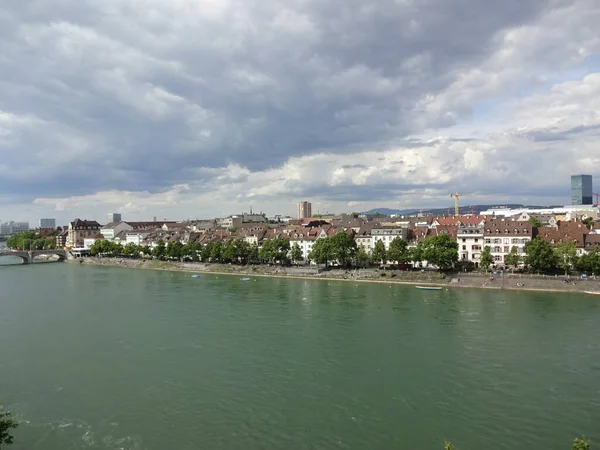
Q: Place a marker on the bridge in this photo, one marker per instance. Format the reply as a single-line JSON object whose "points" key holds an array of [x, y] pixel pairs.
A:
{"points": [[28, 257]]}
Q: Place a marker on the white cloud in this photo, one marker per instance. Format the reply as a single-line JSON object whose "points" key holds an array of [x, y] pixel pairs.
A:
{"points": [[196, 108]]}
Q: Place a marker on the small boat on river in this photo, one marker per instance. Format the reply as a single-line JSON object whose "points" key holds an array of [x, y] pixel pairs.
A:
{"points": [[429, 288], [592, 292]]}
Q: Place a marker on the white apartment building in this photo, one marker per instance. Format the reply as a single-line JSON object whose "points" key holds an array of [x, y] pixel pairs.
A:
{"points": [[387, 234], [470, 241], [501, 236], [12, 227], [111, 230]]}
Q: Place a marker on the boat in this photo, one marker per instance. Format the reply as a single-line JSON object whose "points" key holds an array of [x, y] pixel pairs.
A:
{"points": [[592, 292], [195, 276], [429, 288], [246, 279]]}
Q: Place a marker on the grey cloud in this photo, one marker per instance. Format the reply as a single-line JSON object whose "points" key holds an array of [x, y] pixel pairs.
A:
{"points": [[153, 96]]}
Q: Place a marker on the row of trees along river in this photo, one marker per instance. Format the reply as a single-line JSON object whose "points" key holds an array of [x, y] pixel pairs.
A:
{"points": [[441, 251]]}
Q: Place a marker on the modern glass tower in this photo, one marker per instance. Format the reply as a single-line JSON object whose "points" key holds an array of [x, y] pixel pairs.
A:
{"points": [[581, 190]]}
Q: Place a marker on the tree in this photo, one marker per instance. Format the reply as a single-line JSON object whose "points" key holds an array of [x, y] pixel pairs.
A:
{"points": [[6, 424], [589, 262], [131, 250], [242, 247], [541, 257], [415, 254], [379, 253], [441, 251], [362, 257], [581, 444], [296, 253], [229, 252], [216, 251], [322, 251], [281, 249], [588, 222], [513, 258], [486, 258], [566, 255], [253, 254], [535, 222], [398, 251], [174, 250], [344, 248], [160, 250]]}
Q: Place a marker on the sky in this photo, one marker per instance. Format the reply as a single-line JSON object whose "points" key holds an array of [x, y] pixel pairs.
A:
{"points": [[201, 108]]}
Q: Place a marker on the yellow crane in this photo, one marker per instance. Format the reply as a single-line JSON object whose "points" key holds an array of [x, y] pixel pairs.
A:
{"points": [[455, 196]]}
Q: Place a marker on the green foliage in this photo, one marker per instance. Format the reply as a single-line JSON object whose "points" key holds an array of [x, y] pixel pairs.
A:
{"points": [[103, 247], [415, 254], [535, 222], [566, 255], [589, 262], [174, 250], [253, 253], [513, 258], [588, 222], [6, 425], [296, 253], [448, 446], [362, 257], [398, 251], [160, 251], [28, 240], [486, 258], [275, 250], [441, 251], [322, 251], [379, 253], [581, 444], [541, 257], [216, 251], [344, 248]]}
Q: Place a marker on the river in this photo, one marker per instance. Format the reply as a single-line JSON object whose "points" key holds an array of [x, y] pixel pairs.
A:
{"points": [[109, 358]]}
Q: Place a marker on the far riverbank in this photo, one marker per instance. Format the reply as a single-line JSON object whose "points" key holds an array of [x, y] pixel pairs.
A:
{"points": [[466, 280]]}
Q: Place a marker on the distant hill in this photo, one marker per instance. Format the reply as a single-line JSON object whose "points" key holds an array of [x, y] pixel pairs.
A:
{"points": [[448, 210]]}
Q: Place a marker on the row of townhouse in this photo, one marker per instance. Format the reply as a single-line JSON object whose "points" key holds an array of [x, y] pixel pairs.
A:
{"points": [[472, 233]]}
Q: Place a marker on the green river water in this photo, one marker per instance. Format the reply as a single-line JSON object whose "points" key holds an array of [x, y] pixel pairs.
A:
{"points": [[108, 358]]}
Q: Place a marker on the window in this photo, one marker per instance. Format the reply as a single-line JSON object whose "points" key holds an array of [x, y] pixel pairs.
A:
{"points": [[506, 249], [464, 247], [476, 247], [476, 240], [487, 241], [506, 241], [498, 258], [464, 240]]}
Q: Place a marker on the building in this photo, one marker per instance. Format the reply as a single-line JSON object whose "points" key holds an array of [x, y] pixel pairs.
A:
{"points": [[110, 231], [79, 230], [113, 217], [304, 210], [581, 190], [502, 235], [47, 223], [387, 234], [12, 227], [61, 239], [470, 242]]}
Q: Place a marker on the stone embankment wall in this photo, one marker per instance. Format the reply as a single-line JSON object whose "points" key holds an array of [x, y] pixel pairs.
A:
{"points": [[473, 280]]}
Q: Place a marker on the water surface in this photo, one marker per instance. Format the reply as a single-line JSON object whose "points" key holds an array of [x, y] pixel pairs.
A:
{"points": [[107, 358]]}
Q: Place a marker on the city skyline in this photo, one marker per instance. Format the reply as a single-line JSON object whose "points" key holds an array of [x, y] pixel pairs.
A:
{"points": [[195, 114]]}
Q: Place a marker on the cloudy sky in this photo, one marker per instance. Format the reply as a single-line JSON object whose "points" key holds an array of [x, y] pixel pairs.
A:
{"points": [[200, 108]]}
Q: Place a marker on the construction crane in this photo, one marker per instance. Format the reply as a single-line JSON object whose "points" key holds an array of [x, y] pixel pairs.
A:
{"points": [[455, 196]]}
